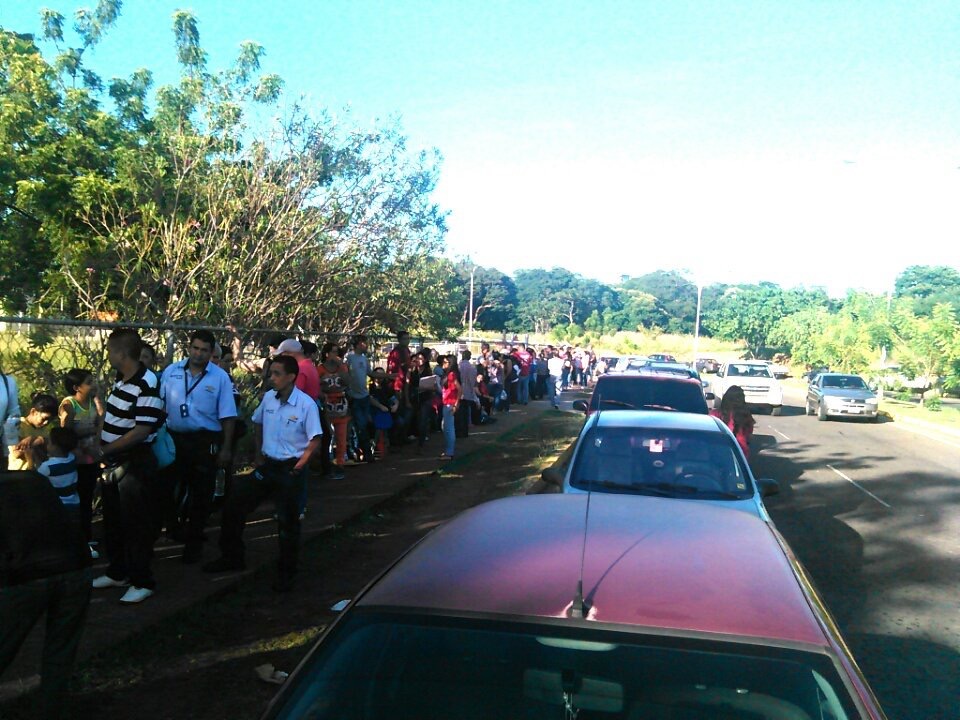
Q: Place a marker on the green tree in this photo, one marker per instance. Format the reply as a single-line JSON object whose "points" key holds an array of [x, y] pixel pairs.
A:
{"points": [[927, 286]]}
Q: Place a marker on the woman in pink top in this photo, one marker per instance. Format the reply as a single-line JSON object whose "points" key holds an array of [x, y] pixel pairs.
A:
{"points": [[733, 412], [452, 393]]}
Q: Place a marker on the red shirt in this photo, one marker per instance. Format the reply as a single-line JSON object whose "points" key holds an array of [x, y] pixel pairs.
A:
{"points": [[451, 392], [398, 362], [309, 379]]}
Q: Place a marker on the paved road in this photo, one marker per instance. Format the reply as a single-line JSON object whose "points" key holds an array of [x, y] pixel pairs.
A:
{"points": [[873, 511]]}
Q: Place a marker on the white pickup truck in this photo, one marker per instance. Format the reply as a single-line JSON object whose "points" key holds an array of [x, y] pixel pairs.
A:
{"points": [[760, 387]]}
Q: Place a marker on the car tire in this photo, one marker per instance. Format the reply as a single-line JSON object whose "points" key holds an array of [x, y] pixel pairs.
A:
{"points": [[822, 412], [776, 410]]}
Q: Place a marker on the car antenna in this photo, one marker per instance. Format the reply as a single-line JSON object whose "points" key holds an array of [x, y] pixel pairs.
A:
{"points": [[579, 609]]}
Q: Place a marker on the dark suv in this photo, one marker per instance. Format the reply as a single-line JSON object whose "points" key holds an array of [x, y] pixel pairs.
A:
{"points": [[645, 392]]}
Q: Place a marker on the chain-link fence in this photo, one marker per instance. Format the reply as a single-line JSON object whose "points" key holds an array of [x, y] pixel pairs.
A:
{"points": [[38, 352]]}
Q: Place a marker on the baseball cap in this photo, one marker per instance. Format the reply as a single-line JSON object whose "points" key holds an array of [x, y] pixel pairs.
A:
{"points": [[289, 346]]}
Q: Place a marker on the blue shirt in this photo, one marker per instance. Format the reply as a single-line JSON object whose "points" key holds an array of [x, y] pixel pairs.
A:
{"points": [[207, 395], [288, 427]]}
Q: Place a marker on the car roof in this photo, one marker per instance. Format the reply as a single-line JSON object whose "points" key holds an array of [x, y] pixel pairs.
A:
{"points": [[649, 563], [657, 419], [632, 377], [836, 374]]}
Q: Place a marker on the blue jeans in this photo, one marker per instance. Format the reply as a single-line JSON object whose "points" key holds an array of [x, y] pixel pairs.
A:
{"points": [[449, 430], [523, 390], [553, 389], [360, 412]]}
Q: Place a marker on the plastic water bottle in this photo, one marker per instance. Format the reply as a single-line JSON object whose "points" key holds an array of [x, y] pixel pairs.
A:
{"points": [[219, 485]]}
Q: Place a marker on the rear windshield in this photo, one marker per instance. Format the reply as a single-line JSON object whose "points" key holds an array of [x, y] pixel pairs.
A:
{"points": [[645, 393], [666, 463], [379, 666], [847, 382]]}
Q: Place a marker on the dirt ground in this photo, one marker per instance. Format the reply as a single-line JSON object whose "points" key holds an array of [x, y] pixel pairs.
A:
{"points": [[200, 663]]}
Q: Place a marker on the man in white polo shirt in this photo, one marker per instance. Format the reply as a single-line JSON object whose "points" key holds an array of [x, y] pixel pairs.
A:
{"points": [[287, 431], [201, 413]]}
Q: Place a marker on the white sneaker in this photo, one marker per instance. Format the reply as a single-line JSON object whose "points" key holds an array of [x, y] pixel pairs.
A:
{"points": [[93, 553], [105, 581], [136, 595]]}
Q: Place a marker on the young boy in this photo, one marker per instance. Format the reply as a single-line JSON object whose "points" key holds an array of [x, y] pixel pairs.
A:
{"points": [[60, 467]]}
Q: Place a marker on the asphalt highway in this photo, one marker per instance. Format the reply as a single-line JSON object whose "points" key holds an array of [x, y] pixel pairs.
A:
{"points": [[873, 512]]}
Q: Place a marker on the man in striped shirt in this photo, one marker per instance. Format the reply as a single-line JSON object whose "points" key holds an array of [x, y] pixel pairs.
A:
{"points": [[132, 497]]}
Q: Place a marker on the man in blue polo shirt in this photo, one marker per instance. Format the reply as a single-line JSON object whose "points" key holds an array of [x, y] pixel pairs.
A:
{"points": [[201, 412], [287, 432]]}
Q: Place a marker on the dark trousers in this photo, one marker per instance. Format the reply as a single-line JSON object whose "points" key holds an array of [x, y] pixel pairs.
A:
{"points": [[425, 415], [87, 476], [194, 473], [326, 465], [279, 481], [64, 598], [461, 421], [132, 518]]}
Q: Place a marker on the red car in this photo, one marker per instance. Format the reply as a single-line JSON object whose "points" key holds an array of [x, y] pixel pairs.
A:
{"points": [[599, 606]]}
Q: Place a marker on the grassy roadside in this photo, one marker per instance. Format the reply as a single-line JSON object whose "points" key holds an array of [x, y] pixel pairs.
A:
{"points": [[198, 662], [946, 417]]}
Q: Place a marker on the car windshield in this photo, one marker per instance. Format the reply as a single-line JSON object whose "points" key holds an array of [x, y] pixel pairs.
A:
{"points": [[405, 667], [749, 371], [652, 461], [645, 393], [847, 382]]}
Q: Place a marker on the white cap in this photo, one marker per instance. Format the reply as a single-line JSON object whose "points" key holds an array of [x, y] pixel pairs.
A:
{"points": [[289, 346]]}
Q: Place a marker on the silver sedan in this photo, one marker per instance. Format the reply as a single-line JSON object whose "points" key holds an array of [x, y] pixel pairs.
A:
{"points": [[840, 395]]}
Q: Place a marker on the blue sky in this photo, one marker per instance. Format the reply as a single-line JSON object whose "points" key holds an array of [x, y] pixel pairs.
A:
{"points": [[805, 143]]}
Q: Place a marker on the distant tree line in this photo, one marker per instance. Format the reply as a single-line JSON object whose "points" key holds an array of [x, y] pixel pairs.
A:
{"points": [[917, 324]]}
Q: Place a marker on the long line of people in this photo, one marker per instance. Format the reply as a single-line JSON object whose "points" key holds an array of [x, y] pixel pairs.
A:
{"points": [[336, 410]]}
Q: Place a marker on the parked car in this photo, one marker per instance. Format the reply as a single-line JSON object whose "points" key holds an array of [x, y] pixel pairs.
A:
{"points": [[662, 357], [707, 365], [556, 606], [841, 395], [779, 371], [678, 455], [635, 391], [760, 388], [625, 361]]}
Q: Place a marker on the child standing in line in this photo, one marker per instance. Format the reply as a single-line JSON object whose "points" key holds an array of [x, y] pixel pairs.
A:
{"points": [[35, 425], [81, 412], [383, 400], [60, 467]]}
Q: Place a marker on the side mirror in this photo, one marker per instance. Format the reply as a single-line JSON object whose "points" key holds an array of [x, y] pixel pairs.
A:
{"points": [[580, 405], [720, 372], [768, 487], [553, 475], [709, 396]]}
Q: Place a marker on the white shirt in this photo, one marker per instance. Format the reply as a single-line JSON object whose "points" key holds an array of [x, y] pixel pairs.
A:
{"points": [[288, 427], [207, 395], [555, 366]]}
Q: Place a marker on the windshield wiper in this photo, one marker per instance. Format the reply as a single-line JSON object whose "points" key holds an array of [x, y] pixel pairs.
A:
{"points": [[653, 406], [621, 487], [618, 403], [693, 489]]}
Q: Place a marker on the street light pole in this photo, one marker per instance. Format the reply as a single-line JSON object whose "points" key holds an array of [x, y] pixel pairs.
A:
{"points": [[470, 319], [696, 325]]}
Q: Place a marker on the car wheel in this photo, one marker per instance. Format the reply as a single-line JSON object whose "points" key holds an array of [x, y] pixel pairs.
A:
{"points": [[822, 412], [776, 410]]}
